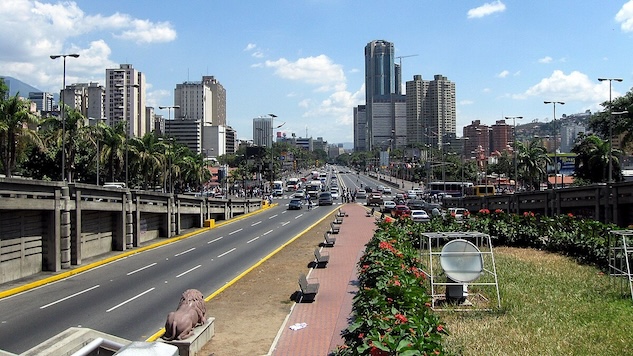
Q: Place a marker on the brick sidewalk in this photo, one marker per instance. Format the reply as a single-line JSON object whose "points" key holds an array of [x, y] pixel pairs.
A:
{"points": [[328, 315]]}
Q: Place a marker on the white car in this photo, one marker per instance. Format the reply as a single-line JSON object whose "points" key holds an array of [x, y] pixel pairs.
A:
{"points": [[334, 193], [411, 194], [420, 216], [387, 206], [458, 213], [386, 190], [299, 194]]}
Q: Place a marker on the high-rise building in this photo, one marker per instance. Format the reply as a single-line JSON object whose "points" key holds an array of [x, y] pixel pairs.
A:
{"points": [[263, 131], [125, 98], [385, 109], [502, 137], [87, 98], [204, 100], [43, 100], [361, 130], [478, 138]]}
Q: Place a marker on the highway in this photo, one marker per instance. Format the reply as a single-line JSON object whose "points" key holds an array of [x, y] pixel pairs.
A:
{"points": [[132, 296]]}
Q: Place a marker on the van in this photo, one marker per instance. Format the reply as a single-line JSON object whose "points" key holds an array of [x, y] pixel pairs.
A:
{"points": [[325, 198]]}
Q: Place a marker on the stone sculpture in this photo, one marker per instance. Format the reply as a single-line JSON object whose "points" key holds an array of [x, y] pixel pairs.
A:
{"points": [[190, 313]]}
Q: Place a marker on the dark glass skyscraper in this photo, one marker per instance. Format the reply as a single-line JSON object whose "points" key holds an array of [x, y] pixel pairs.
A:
{"points": [[379, 70]]}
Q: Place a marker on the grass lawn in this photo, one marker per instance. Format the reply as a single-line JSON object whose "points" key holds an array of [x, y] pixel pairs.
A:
{"points": [[550, 305]]}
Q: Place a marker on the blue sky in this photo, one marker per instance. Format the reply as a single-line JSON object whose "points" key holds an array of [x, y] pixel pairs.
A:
{"points": [[303, 60]]}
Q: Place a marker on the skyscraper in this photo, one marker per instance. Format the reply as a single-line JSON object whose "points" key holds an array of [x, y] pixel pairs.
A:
{"points": [[204, 100], [262, 131], [125, 98], [385, 111]]}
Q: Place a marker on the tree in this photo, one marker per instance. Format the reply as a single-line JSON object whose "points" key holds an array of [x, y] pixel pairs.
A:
{"points": [[592, 160], [532, 161], [621, 124], [114, 150], [17, 125]]}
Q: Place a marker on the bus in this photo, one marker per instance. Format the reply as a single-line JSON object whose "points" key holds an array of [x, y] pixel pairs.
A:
{"points": [[453, 189], [481, 190], [278, 188]]}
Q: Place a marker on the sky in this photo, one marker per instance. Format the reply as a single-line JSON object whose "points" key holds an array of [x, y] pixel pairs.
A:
{"points": [[303, 60]]}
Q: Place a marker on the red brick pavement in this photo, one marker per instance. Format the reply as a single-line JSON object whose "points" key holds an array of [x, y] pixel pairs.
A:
{"points": [[328, 315]]}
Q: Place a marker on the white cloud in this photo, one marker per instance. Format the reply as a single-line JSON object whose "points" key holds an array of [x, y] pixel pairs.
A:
{"points": [[575, 86], [486, 9], [503, 74], [257, 54], [318, 70], [625, 17], [546, 59], [250, 47], [143, 31], [466, 102]]}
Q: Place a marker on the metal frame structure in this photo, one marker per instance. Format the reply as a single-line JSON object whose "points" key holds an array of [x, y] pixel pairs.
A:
{"points": [[620, 244], [431, 244]]}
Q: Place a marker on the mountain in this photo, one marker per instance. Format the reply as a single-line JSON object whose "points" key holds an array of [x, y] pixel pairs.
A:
{"points": [[18, 86]]}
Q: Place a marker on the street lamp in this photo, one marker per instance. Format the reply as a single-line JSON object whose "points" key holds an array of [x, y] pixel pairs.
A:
{"points": [[463, 159], [272, 135], [555, 142], [171, 188], [610, 180], [127, 127], [514, 138], [61, 109]]}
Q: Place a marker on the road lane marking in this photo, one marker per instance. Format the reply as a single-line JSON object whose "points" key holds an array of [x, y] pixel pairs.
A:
{"points": [[214, 240], [257, 223], [234, 232], [70, 296], [272, 217], [267, 232], [298, 216], [251, 240], [285, 211], [142, 268], [183, 252], [286, 223], [129, 300], [227, 252], [189, 270]]}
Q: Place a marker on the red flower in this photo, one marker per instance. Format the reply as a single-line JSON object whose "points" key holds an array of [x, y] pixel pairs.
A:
{"points": [[570, 215], [498, 211], [401, 318], [440, 328], [361, 335], [484, 211]]}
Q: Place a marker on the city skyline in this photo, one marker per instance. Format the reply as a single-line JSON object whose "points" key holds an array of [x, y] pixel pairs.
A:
{"points": [[304, 61]]}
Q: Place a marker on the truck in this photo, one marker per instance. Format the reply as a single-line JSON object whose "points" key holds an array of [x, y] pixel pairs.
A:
{"points": [[313, 188], [292, 184]]}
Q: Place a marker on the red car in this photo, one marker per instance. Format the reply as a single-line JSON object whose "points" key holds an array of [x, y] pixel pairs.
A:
{"points": [[400, 211]]}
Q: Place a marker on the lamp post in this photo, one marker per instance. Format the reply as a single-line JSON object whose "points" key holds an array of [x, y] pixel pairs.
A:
{"points": [[610, 180], [516, 158], [171, 188], [61, 109], [555, 142], [272, 152], [127, 127], [463, 160]]}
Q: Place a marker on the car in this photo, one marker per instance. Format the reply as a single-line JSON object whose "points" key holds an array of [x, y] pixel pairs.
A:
{"points": [[374, 198], [386, 190], [387, 206], [361, 194], [419, 191], [400, 211], [415, 204], [334, 193], [420, 216], [299, 194], [411, 194], [380, 188], [325, 198], [458, 213], [295, 204], [399, 196]]}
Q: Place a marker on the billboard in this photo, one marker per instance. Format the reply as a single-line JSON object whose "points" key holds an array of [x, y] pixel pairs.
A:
{"points": [[564, 161]]}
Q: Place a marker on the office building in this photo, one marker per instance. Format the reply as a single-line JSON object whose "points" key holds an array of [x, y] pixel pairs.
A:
{"points": [[431, 110], [502, 137], [44, 101], [204, 100], [360, 129], [87, 98], [263, 131], [125, 99], [478, 139]]}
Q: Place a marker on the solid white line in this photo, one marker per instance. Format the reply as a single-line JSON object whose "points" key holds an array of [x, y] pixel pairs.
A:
{"points": [[251, 240], [189, 270], [267, 232], [274, 216], [236, 231], [214, 240], [286, 223], [183, 252], [129, 300], [285, 211], [227, 252], [70, 296], [298, 216], [142, 268], [257, 223]]}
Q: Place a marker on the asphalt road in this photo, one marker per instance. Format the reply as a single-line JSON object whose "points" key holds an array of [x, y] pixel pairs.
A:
{"points": [[131, 297]]}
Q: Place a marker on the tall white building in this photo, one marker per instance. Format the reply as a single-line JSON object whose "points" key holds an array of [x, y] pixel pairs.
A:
{"points": [[87, 98], [204, 100], [125, 98]]}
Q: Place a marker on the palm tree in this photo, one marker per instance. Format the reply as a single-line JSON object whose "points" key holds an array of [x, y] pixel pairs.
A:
{"points": [[16, 131], [149, 160], [592, 160], [114, 150], [532, 161]]}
